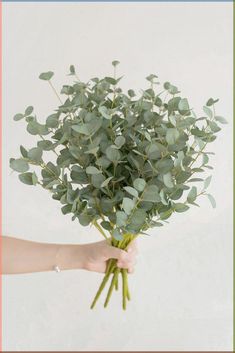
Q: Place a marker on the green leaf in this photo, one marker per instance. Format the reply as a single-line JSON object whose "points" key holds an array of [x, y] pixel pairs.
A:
{"points": [[131, 93], [192, 195], [139, 184], [208, 112], [164, 165], [173, 89], [78, 175], [120, 141], [112, 154], [19, 165], [28, 178], [52, 121], [115, 63], [66, 209], [121, 218], [205, 159], [173, 104], [172, 136], [104, 112], [35, 154], [46, 75], [72, 70], [84, 219], [220, 119], [82, 129], [116, 234], [167, 179], [34, 128], [106, 182], [212, 200], [185, 123], [103, 162], [207, 181], [138, 219], [128, 205], [93, 170], [106, 225], [211, 101], [166, 214], [23, 152], [45, 145], [180, 207], [131, 191], [110, 80], [151, 193], [18, 117], [28, 110], [214, 127], [183, 105], [151, 77], [167, 85], [97, 180]]}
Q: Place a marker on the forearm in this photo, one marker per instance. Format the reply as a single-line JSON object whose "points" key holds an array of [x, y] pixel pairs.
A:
{"points": [[23, 256]]}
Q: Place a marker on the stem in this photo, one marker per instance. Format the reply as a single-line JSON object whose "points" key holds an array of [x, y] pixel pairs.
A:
{"points": [[124, 292], [100, 229], [116, 284], [112, 268], [127, 288], [53, 88], [53, 150], [115, 276], [111, 265]]}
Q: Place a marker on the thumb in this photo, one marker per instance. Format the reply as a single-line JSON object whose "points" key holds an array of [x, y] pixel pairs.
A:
{"points": [[115, 253]]}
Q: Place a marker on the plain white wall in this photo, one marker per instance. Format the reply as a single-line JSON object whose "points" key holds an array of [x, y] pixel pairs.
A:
{"points": [[182, 286]]}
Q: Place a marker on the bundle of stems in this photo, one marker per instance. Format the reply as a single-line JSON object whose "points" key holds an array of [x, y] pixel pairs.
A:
{"points": [[113, 271]]}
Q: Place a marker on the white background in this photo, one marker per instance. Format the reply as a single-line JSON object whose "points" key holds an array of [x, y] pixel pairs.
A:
{"points": [[182, 286]]}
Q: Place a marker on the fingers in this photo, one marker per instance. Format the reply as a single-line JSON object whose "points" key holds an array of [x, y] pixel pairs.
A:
{"points": [[125, 258], [132, 247], [114, 253]]}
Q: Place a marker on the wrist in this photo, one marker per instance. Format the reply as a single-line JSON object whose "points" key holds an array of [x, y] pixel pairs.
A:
{"points": [[70, 257]]}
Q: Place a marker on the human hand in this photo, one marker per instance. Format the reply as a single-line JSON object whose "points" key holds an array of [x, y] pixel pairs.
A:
{"points": [[96, 255]]}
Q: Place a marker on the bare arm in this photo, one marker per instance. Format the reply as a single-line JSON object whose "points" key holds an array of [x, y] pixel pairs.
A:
{"points": [[23, 256]]}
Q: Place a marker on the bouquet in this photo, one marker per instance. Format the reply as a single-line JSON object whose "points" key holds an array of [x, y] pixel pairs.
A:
{"points": [[123, 162]]}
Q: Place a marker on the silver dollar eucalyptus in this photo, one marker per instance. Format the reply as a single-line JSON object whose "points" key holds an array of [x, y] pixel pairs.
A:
{"points": [[122, 162]]}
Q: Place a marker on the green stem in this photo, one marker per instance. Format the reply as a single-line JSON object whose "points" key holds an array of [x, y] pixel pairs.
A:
{"points": [[127, 287], [116, 284], [115, 276], [54, 90], [110, 267], [124, 296]]}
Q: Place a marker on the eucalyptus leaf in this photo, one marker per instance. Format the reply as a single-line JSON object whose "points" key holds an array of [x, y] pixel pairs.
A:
{"points": [[19, 165], [92, 170], [212, 200], [167, 179], [46, 75], [28, 178], [139, 184], [180, 207], [128, 205], [131, 191], [207, 181]]}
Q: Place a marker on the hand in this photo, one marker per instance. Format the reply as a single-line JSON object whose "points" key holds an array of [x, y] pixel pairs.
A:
{"points": [[95, 256]]}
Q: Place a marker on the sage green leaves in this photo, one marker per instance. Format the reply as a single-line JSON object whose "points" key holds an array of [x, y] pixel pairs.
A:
{"points": [[123, 162]]}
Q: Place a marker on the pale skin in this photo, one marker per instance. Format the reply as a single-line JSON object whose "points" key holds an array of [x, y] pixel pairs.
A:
{"points": [[24, 256]]}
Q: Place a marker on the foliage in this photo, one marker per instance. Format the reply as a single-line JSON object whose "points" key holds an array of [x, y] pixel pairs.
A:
{"points": [[123, 162]]}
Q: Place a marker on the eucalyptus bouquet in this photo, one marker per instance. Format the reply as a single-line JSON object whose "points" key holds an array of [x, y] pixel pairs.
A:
{"points": [[123, 163]]}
